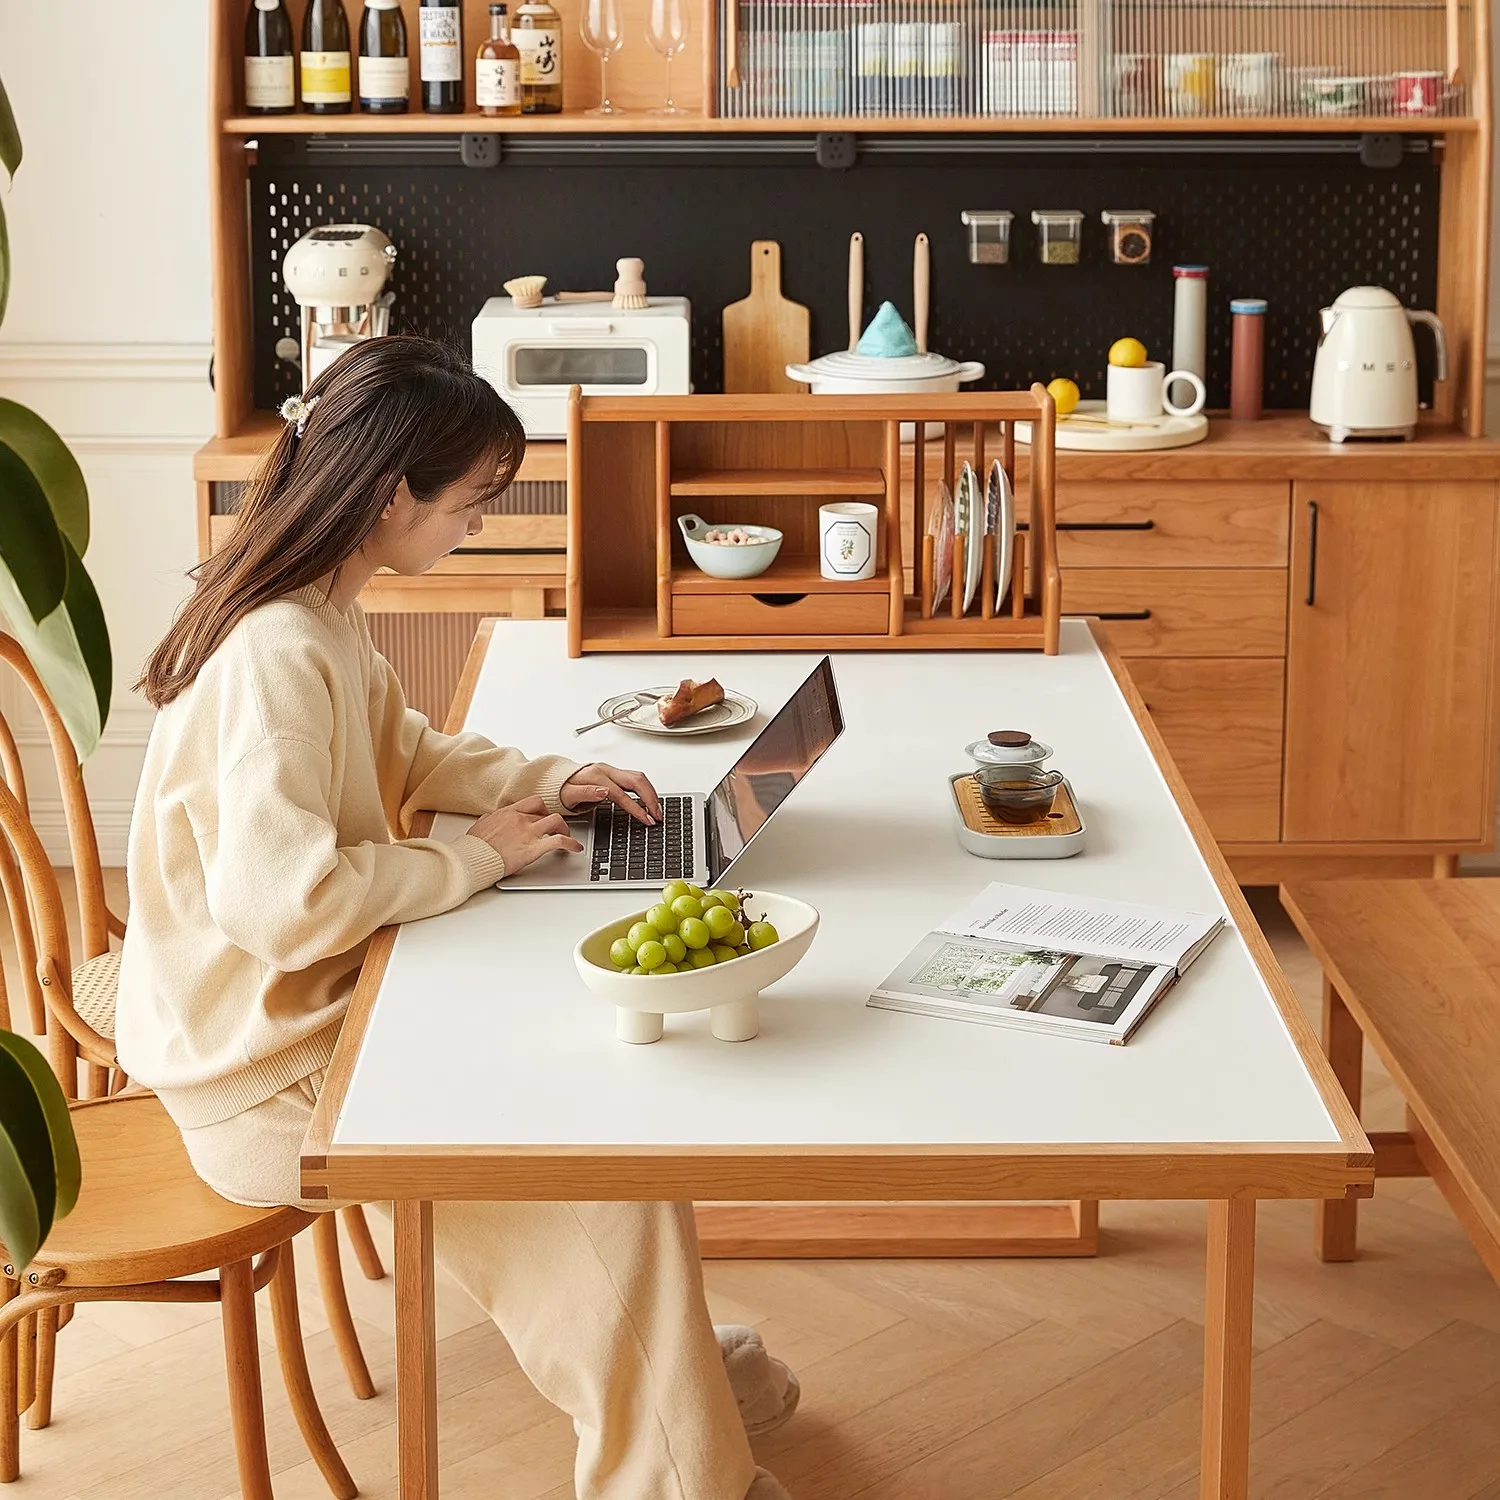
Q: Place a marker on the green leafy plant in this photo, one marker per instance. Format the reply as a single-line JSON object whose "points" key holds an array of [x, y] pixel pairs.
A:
{"points": [[45, 594], [39, 1167]]}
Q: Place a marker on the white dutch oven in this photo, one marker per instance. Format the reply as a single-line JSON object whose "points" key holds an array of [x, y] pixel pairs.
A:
{"points": [[845, 373]]}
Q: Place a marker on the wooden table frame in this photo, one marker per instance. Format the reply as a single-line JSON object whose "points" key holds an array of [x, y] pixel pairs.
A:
{"points": [[1230, 1176]]}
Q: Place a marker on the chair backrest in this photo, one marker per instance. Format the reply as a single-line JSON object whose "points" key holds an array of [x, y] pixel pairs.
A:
{"points": [[41, 929]]}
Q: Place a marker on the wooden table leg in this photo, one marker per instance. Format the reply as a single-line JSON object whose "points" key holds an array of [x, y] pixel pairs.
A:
{"points": [[1338, 1218], [1229, 1310], [416, 1352]]}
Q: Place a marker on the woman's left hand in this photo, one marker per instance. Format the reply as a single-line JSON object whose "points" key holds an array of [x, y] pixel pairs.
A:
{"points": [[597, 782]]}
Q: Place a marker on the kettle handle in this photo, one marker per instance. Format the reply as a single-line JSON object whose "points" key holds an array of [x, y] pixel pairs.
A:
{"points": [[1431, 320]]}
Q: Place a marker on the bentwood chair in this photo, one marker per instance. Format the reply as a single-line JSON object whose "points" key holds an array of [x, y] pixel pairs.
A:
{"points": [[144, 1220], [94, 983]]}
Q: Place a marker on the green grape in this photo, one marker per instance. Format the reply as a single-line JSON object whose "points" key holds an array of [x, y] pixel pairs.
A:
{"points": [[638, 970], [676, 948], [662, 918], [687, 906], [735, 937], [720, 922], [694, 932], [696, 892], [722, 953], [710, 900], [666, 968], [651, 955], [762, 935], [701, 958], [673, 889], [724, 898], [640, 932], [621, 954]]}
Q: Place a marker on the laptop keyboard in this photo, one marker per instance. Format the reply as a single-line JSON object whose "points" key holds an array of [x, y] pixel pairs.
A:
{"points": [[627, 849]]}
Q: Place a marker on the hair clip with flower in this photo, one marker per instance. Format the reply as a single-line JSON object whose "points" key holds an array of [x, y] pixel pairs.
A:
{"points": [[295, 409]]}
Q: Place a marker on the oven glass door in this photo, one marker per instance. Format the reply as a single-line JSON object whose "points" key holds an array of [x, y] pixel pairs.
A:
{"points": [[599, 368]]}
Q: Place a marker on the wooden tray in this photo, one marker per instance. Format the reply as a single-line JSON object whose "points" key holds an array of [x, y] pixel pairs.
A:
{"points": [[1165, 432], [1056, 837]]}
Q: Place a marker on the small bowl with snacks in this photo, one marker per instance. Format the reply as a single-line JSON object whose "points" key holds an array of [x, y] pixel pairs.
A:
{"points": [[695, 950], [730, 551]]}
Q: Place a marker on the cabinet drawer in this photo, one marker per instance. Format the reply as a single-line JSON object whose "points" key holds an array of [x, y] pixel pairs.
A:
{"points": [[1222, 721], [1208, 525], [1183, 611], [781, 614]]}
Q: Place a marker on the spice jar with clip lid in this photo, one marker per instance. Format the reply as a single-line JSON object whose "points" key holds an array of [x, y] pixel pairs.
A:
{"points": [[1009, 747], [1129, 235], [1060, 231]]}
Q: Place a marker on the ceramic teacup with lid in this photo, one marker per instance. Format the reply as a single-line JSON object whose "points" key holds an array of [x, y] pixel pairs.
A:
{"points": [[1014, 748]]}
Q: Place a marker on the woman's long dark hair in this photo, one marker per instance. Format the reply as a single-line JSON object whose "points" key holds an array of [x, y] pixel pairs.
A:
{"points": [[389, 409]]}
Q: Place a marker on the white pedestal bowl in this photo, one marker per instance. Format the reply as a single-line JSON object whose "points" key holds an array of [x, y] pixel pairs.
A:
{"points": [[730, 992]]}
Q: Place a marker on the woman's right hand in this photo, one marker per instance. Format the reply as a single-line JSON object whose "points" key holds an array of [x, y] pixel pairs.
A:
{"points": [[523, 832]]}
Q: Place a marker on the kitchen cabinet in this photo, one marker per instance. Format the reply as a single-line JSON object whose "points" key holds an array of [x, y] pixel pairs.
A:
{"points": [[1390, 663]]}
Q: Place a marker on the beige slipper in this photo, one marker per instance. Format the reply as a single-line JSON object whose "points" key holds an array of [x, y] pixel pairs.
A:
{"points": [[765, 1390]]}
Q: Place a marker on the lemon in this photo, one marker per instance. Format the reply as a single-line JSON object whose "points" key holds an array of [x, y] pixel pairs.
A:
{"points": [[1128, 352], [1064, 394]]}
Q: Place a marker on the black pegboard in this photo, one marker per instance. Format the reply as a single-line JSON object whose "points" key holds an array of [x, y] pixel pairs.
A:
{"points": [[1295, 228]]}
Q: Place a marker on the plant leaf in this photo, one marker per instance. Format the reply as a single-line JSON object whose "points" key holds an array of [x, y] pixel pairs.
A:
{"points": [[53, 467], [31, 546], [10, 135], [69, 649], [67, 1170], [26, 1195], [4, 264]]}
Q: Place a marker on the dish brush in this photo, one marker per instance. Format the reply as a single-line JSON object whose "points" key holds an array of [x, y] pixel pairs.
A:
{"points": [[526, 291], [630, 284]]}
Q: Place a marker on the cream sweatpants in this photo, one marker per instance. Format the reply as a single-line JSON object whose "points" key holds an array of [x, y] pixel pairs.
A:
{"points": [[601, 1303]]}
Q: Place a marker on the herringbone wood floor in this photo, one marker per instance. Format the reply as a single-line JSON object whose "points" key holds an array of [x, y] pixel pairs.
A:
{"points": [[1008, 1380]]}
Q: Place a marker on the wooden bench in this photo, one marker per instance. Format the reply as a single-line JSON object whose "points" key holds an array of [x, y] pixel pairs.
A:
{"points": [[1413, 967]]}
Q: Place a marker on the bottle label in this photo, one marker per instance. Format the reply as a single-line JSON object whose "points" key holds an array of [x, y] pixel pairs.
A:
{"points": [[384, 78], [441, 62], [325, 77], [539, 56], [267, 4], [498, 85], [268, 83], [383, 4]]}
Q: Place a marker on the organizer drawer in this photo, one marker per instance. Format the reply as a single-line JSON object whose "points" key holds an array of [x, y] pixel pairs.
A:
{"points": [[1222, 721], [781, 614], [1182, 525], [1183, 611]]}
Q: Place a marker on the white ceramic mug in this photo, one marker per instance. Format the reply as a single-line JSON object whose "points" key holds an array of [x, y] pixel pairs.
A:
{"points": [[1138, 393], [847, 532]]}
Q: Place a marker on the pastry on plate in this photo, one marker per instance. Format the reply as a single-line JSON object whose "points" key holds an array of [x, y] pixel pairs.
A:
{"points": [[689, 699]]}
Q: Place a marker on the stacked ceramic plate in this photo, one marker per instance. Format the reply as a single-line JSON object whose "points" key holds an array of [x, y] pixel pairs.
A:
{"points": [[984, 520]]}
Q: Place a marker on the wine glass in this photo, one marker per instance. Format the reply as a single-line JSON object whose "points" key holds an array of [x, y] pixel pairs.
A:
{"points": [[668, 34], [600, 27]]}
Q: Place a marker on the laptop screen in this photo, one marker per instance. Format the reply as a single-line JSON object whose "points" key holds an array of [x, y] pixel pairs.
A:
{"points": [[780, 756]]}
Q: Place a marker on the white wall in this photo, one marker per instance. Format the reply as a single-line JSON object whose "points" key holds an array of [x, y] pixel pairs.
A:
{"points": [[108, 330]]}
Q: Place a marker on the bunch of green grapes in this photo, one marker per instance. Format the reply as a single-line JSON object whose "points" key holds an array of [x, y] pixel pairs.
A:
{"points": [[690, 928]]}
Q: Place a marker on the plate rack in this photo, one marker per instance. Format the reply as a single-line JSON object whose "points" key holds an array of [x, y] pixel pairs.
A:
{"points": [[636, 463]]}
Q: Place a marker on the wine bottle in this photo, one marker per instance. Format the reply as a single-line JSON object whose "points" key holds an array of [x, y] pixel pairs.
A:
{"points": [[384, 69], [325, 58], [497, 78], [538, 35], [270, 84], [442, 44]]}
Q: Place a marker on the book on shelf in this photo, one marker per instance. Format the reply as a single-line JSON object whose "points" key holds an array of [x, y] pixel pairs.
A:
{"points": [[1044, 961]]}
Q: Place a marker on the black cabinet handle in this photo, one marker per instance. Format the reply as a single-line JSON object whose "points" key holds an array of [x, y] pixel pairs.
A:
{"points": [[1312, 552], [1106, 525], [1124, 614]]}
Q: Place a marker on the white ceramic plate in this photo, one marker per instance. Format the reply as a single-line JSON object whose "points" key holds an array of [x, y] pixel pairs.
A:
{"points": [[1000, 505], [970, 524], [942, 547], [735, 709]]}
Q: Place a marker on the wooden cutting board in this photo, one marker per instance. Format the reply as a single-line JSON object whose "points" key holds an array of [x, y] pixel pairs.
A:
{"points": [[764, 332]]}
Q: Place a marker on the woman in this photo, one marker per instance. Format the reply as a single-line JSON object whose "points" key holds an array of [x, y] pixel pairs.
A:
{"points": [[266, 849]]}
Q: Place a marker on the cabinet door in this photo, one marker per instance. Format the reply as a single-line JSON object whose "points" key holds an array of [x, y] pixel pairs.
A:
{"points": [[1391, 643]]}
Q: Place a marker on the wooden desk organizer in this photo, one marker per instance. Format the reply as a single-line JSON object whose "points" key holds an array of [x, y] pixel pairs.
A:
{"points": [[636, 463]]}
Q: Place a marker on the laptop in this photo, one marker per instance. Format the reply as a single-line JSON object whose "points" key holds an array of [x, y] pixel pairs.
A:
{"points": [[700, 834]]}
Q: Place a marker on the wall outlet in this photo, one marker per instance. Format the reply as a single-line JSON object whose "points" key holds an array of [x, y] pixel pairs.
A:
{"points": [[480, 150]]}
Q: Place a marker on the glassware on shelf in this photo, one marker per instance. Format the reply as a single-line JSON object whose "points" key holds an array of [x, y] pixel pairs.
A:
{"points": [[1248, 82], [602, 34], [1060, 232], [989, 235], [1129, 235], [1188, 83], [667, 31]]}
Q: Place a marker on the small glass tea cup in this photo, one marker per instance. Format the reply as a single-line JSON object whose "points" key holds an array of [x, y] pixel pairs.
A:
{"points": [[1016, 794]]}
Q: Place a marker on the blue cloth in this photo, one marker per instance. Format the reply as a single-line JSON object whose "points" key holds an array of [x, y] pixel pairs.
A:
{"points": [[887, 337]]}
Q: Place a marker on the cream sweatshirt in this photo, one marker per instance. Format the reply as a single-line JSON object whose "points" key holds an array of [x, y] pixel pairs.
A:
{"points": [[262, 857]]}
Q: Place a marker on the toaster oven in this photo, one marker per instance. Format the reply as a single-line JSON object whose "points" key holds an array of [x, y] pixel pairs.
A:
{"points": [[534, 355]]}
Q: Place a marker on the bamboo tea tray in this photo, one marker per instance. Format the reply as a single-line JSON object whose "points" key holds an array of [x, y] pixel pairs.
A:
{"points": [[1057, 836]]}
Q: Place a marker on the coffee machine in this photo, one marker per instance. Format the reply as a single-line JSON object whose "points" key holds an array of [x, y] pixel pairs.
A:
{"points": [[336, 274]]}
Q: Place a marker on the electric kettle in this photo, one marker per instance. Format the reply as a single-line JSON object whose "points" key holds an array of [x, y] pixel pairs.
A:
{"points": [[1365, 372]]}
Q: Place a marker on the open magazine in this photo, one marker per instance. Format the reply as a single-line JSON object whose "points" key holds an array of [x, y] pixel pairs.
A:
{"points": [[1044, 961]]}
